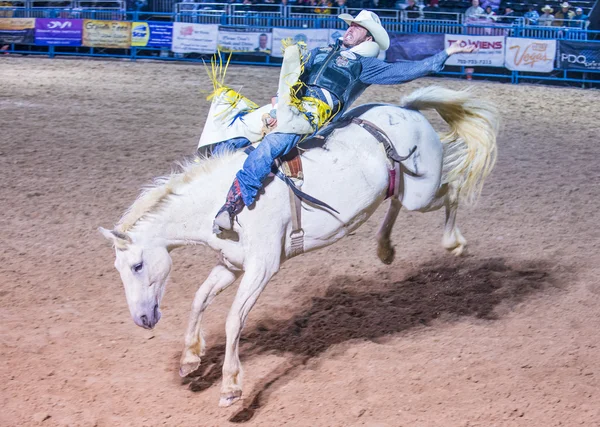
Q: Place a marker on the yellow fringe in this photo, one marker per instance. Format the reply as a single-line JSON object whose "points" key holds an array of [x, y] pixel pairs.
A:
{"points": [[285, 43], [217, 74], [324, 113]]}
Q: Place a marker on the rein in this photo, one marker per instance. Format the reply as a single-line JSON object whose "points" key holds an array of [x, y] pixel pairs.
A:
{"points": [[378, 134]]}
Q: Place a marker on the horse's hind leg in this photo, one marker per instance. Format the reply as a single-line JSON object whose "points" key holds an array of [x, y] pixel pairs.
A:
{"points": [[453, 241], [219, 278], [385, 251]]}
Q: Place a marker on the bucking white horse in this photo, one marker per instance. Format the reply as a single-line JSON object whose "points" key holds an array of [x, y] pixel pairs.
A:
{"points": [[348, 171]]}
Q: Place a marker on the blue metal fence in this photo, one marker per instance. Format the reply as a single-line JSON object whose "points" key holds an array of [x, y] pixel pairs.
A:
{"points": [[215, 14]]}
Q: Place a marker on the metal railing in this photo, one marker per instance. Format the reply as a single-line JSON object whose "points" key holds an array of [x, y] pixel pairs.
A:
{"points": [[200, 13], [65, 9], [293, 17], [258, 15], [587, 77]]}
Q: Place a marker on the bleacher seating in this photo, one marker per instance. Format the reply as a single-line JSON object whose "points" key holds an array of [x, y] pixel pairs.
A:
{"points": [[391, 11], [519, 6]]}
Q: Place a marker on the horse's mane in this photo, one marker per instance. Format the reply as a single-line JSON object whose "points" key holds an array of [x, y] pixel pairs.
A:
{"points": [[156, 194]]}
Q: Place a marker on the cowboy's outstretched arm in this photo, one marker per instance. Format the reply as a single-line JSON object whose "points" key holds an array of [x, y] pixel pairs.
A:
{"points": [[384, 73], [388, 73]]}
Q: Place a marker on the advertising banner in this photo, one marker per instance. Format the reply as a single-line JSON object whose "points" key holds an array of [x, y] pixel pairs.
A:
{"points": [[490, 53], [116, 34], [17, 30], [414, 47], [152, 34], [579, 55], [200, 38], [312, 37], [58, 32], [530, 54], [245, 40]]}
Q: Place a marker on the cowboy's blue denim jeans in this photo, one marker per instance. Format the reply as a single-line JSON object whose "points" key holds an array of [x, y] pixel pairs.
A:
{"points": [[230, 145], [258, 164]]}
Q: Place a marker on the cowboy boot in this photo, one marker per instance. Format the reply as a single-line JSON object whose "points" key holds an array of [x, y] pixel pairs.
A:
{"points": [[233, 206]]}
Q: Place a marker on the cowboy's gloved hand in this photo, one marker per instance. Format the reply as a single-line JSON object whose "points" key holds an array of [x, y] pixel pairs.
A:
{"points": [[457, 48], [271, 120]]}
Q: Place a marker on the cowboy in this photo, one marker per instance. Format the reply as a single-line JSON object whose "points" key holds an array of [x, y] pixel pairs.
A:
{"points": [[332, 79]]}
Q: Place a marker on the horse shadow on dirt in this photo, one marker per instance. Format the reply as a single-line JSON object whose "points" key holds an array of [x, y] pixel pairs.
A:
{"points": [[356, 307]]}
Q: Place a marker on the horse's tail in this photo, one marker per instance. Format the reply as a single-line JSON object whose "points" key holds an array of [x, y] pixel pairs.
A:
{"points": [[470, 145]]}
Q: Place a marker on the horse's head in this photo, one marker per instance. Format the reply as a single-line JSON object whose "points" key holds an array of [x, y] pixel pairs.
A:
{"points": [[144, 269]]}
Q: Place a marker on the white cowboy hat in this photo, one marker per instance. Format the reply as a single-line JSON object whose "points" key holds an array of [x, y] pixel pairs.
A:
{"points": [[565, 4], [547, 8], [372, 23]]}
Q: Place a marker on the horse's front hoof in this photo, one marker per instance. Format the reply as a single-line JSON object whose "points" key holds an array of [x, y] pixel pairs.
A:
{"points": [[386, 254], [188, 368], [456, 249], [229, 398], [460, 250]]}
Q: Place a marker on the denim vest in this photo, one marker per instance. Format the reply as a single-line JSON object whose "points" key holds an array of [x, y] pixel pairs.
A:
{"points": [[337, 71]]}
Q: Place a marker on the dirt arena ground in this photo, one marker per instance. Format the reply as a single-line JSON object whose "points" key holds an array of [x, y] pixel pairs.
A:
{"points": [[506, 336]]}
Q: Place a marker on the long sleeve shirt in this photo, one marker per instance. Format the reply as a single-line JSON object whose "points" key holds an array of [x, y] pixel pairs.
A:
{"points": [[474, 12], [375, 71], [390, 73]]}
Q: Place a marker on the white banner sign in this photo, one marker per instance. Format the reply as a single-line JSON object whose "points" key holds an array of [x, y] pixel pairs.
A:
{"points": [[490, 53], [312, 37], [248, 40], [530, 54], [198, 38]]}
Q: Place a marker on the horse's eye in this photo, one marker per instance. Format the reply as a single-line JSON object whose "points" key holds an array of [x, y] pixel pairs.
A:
{"points": [[138, 267]]}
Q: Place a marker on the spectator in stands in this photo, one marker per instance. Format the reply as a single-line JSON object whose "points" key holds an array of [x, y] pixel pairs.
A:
{"points": [[412, 10], [432, 6], [547, 18], [490, 14], [531, 16], [508, 17], [580, 17], [334, 77], [342, 6], [323, 7], [474, 11], [563, 17]]}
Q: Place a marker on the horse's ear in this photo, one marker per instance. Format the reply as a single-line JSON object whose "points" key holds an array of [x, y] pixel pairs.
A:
{"points": [[120, 240]]}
